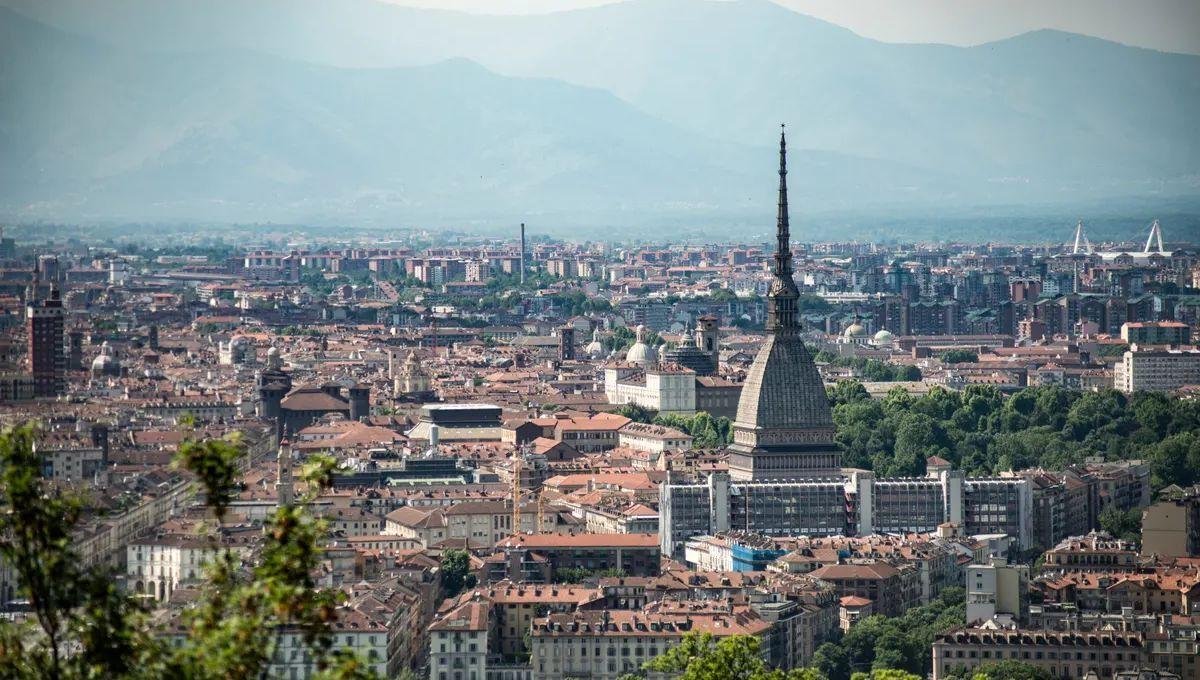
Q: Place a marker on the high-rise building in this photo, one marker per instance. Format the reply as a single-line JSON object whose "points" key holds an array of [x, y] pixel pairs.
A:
{"points": [[784, 427], [47, 345]]}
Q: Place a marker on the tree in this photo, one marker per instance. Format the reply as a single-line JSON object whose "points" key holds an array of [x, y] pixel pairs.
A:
{"points": [[1124, 524], [232, 631], [700, 656], [1009, 670], [637, 413], [456, 572], [847, 392], [959, 356], [886, 674], [830, 659], [1175, 460]]}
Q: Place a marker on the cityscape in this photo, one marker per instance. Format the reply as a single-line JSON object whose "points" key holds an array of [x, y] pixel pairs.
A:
{"points": [[471, 447]]}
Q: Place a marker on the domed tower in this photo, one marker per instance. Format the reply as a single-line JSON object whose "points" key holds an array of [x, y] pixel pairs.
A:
{"points": [[413, 378], [595, 348], [105, 363], [641, 353], [784, 426]]}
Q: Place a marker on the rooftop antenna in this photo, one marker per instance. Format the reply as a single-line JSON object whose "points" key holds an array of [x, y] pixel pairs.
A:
{"points": [[1081, 239], [1154, 238]]}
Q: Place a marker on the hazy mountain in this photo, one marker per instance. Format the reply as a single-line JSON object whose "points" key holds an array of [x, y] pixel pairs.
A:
{"points": [[89, 130], [377, 121]]}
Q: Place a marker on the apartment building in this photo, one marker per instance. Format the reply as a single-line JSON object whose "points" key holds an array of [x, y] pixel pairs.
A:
{"points": [[606, 644], [1156, 370], [1061, 654], [893, 588]]}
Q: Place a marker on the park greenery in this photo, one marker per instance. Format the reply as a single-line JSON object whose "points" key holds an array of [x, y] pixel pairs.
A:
{"points": [[707, 432], [959, 356], [82, 625], [897, 643], [872, 370], [982, 431]]}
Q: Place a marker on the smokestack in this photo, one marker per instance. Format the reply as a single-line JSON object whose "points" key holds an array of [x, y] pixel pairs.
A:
{"points": [[522, 253]]}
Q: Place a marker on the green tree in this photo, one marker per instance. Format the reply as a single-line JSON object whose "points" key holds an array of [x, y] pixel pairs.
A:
{"points": [[886, 674], [830, 659], [232, 631], [456, 572], [1009, 670], [637, 413], [959, 356], [700, 656], [1124, 524]]}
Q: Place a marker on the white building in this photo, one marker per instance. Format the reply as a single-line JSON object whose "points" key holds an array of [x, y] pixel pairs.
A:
{"points": [[653, 438], [1159, 370], [156, 566], [458, 642], [997, 590], [666, 390]]}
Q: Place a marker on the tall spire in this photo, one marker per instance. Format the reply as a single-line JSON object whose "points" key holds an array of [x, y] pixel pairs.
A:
{"points": [[781, 300], [783, 245]]}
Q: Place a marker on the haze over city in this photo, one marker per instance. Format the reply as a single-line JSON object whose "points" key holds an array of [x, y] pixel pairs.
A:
{"points": [[608, 118], [590, 340]]}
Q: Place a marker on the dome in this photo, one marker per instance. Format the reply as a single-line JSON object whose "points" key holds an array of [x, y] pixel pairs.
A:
{"points": [[106, 362], [884, 337], [854, 330], [641, 353], [594, 349]]}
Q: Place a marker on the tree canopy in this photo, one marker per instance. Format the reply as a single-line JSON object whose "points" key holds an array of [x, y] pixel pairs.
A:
{"points": [[982, 431], [232, 631]]}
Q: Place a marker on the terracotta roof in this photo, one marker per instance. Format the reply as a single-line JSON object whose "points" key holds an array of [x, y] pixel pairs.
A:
{"points": [[312, 399]]}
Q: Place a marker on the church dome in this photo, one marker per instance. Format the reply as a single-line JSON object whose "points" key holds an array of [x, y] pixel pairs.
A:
{"points": [[884, 337], [595, 348], [854, 330], [106, 362], [641, 352]]}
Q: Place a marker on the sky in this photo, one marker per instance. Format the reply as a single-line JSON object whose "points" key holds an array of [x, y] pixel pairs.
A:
{"points": [[1170, 25]]}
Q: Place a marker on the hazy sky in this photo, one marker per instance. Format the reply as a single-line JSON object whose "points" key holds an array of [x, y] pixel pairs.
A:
{"points": [[1172, 25]]}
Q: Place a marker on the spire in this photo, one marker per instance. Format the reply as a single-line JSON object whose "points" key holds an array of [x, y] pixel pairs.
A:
{"points": [[781, 300], [783, 245]]}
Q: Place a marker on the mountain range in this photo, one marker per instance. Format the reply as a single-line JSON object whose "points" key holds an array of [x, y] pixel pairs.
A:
{"points": [[645, 111]]}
